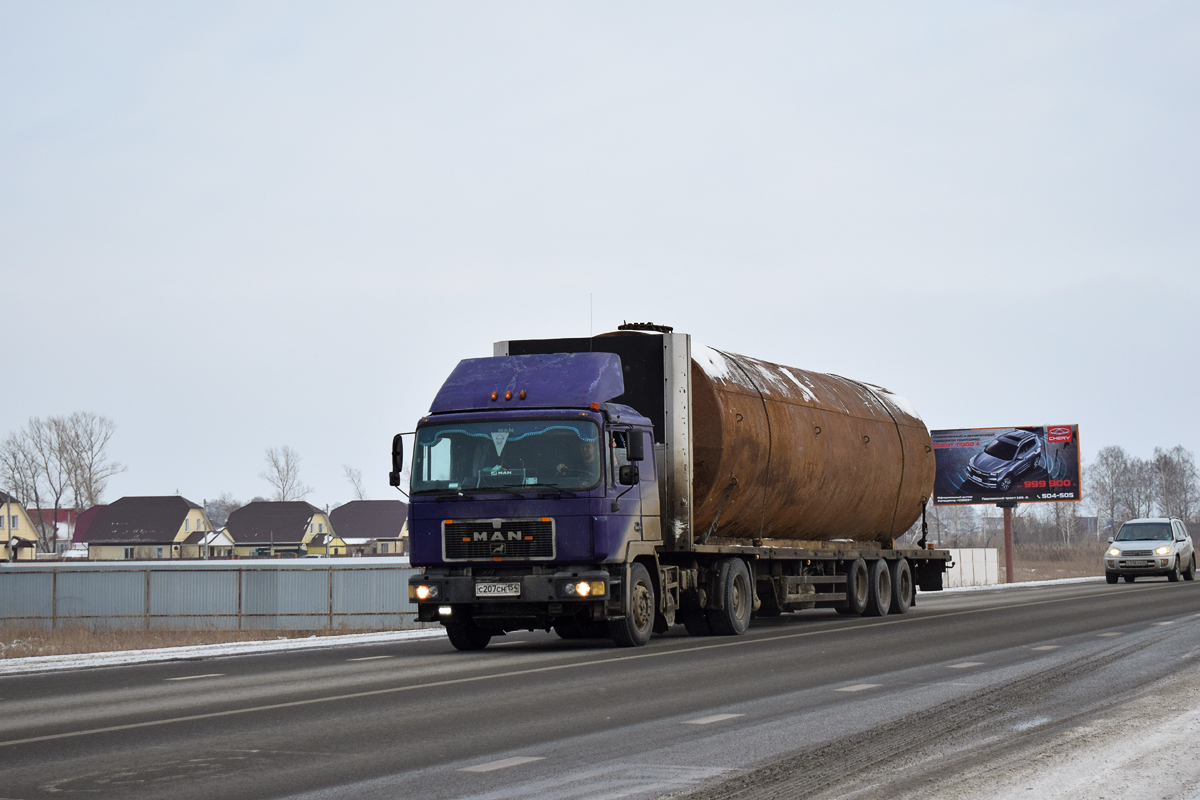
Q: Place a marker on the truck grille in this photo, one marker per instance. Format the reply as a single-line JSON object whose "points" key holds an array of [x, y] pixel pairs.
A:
{"points": [[498, 539]]}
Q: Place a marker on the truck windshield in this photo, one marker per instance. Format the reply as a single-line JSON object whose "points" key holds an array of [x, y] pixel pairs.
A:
{"points": [[507, 453], [1145, 531]]}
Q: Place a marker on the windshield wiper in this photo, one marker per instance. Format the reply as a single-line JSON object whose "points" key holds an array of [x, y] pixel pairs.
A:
{"points": [[552, 487]]}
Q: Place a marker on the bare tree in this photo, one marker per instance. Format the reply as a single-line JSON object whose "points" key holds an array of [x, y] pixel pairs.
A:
{"points": [[84, 438], [1138, 489], [1177, 482], [356, 482], [283, 472], [34, 467], [1104, 479], [218, 510]]}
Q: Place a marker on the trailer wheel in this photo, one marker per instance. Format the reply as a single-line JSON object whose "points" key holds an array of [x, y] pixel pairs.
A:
{"points": [[635, 628], [858, 589], [881, 589], [902, 586], [738, 595], [466, 636]]}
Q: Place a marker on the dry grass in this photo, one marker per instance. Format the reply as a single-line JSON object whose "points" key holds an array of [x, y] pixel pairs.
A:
{"points": [[19, 642], [1046, 562]]}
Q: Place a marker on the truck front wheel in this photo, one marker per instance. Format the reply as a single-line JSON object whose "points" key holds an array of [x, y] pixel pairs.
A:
{"points": [[465, 636], [635, 628], [733, 618]]}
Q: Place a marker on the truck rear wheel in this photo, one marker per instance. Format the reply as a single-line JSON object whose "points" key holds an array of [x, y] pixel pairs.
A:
{"points": [[902, 586], [858, 589], [737, 594], [635, 628], [880, 599], [466, 636]]}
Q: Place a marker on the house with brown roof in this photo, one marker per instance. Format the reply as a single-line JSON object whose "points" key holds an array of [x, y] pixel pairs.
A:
{"points": [[267, 527], [372, 527], [145, 528], [18, 539]]}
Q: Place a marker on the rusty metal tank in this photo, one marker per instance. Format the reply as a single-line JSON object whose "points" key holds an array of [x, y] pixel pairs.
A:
{"points": [[784, 453]]}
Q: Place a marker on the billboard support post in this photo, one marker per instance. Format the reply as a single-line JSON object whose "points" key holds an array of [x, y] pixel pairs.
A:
{"points": [[1008, 507]]}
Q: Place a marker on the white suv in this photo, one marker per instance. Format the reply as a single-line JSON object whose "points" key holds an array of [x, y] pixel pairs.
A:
{"points": [[1158, 546]]}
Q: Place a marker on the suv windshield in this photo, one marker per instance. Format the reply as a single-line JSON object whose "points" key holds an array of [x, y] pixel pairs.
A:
{"points": [[1003, 449], [1145, 531], [507, 453]]}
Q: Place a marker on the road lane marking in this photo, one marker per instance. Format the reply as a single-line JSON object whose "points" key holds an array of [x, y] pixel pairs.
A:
{"points": [[196, 677], [712, 719], [1172, 622], [369, 658], [858, 687], [1111, 633], [684, 649], [965, 665], [1048, 647], [503, 763]]}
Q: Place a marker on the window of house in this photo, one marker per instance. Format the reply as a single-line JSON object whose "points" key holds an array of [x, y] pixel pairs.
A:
{"points": [[14, 522], [185, 526], [129, 552], [158, 552], [2, 518], [320, 527]]}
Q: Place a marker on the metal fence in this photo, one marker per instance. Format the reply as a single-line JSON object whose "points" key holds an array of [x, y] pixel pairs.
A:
{"points": [[335, 594]]}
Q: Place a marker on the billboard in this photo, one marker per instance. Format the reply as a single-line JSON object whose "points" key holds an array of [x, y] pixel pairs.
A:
{"points": [[991, 465]]}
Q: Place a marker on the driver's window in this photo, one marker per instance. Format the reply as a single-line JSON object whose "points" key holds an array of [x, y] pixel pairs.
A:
{"points": [[617, 443]]}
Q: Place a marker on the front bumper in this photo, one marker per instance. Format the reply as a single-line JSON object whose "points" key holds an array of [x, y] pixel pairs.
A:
{"points": [[1152, 565], [539, 597]]}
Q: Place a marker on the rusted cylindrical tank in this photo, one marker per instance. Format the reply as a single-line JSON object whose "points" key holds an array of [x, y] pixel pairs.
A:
{"points": [[785, 453]]}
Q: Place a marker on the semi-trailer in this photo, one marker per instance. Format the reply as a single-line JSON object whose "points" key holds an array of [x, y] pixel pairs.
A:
{"points": [[613, 486]]}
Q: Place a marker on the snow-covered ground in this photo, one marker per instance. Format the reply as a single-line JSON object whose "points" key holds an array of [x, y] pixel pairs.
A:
{"points": [[15, 666]]}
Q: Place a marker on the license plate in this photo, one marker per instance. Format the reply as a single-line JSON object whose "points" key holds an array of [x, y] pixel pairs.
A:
{"points": [[497, 590], [1139, 563]]}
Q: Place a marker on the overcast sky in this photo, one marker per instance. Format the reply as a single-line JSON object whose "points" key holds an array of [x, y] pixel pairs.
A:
{"points": [[228, 226]]}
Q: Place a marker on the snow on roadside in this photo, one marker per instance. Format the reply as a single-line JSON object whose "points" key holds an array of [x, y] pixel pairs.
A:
{"points": [[1019, 584], [31, 664]]}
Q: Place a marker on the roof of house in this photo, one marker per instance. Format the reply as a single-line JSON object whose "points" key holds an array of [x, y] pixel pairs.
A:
{"points": [[369, 519], [66, 515], [5, 497], [269, 521], [219, 538], [84, 521], [139, 519]]}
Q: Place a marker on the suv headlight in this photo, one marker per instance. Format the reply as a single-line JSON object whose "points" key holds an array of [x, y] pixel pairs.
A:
{"points": [[1164, 550], [1113, 551]]}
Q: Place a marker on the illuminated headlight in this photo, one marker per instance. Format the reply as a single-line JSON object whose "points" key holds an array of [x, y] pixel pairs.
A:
{"points": [[445, 611], [1112, 551], [1164, 550], [425, 592], [583, 588]]}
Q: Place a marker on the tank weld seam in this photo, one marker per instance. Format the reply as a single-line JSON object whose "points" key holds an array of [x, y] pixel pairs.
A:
{"points": [[900, 436], [762, 520]]}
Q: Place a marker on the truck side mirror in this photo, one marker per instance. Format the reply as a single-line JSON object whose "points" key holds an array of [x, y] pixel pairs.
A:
{"points": [[397, 459], [628, 475], [635, 448]]}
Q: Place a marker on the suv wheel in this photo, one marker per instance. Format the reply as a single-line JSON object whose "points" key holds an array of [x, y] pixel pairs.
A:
{"points": [[1173, 575], [1005, 484], [1111, 577], [1190, 573]]}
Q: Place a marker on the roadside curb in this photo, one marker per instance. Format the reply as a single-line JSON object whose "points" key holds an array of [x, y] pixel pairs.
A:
{"points": [[35, 664]]}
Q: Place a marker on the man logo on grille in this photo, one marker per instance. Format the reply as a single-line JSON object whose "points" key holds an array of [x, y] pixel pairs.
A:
{"points": [[498, 549], [497, 536]]}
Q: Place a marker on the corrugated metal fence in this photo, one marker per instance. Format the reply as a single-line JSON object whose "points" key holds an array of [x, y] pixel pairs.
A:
{"points": [[261, 594]]}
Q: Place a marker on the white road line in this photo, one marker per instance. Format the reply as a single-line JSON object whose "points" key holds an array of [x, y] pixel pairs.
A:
{"points": [[503, 763], [196, 677], [965, 665], [858, 687], [369, 658], [712, 719], [1048, 647], [1172, 622], [1111, 633]]}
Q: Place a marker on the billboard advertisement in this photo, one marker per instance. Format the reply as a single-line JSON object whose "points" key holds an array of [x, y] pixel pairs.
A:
{"points": [[992, 465]]}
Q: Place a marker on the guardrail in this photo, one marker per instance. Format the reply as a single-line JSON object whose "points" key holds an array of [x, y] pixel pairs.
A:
{"points": [[350, 594]]}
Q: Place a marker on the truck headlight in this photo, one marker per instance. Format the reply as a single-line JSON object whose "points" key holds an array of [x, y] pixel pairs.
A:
{"points": [[1164, 550], [426, 592], [1112, 551]]}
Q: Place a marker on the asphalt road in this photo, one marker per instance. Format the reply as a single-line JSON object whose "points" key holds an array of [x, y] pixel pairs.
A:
{"points": [[804, 705]]}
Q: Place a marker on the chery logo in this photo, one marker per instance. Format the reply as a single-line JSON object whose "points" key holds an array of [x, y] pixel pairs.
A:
{"points": [[1059, 433]]}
